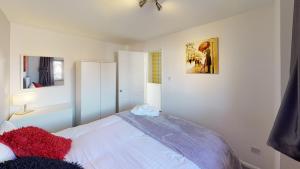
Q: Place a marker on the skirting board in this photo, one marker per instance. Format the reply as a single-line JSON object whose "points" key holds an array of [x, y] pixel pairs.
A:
{"points": [[247, 165]]}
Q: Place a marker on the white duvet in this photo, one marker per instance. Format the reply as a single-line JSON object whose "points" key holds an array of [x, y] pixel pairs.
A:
{"points": [[112, 143]]}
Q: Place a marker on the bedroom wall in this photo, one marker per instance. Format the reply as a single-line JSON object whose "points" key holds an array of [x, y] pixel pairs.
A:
{"points": [[4, 66], [242, 100], [27, 40]]}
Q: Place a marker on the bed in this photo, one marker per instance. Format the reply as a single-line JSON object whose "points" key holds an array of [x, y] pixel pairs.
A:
{"points": [[127, 141]]}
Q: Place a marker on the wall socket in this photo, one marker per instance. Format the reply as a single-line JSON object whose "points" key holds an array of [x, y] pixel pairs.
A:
{"points": [[255, 150]]}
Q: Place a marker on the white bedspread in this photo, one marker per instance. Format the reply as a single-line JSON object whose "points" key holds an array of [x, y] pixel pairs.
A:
{"points": [[112, 143]]}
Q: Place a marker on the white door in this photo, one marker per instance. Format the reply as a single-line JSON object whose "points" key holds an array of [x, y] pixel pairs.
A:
{"points": [[108, 89], [90, 92], [132, 72]]}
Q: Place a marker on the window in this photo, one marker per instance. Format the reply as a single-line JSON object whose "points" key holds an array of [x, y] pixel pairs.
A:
{"points": [[154, 75], [58, 67]]}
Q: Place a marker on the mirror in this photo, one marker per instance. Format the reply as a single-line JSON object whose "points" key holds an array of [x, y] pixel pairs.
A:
{"points": [[42, 71]]}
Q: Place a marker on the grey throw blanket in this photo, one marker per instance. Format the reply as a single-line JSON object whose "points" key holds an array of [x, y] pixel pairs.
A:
{"points": [[202, 146]]}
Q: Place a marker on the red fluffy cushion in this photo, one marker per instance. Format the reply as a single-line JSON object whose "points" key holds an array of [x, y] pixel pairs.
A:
{"points": [[37, 85], [33, 141]]}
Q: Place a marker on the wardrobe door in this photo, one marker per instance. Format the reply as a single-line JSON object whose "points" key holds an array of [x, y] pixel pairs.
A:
{"points": [[90, 92], [108, 89]]}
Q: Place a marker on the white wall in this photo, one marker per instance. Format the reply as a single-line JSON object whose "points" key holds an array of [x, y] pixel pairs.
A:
{"points": [[31, 41], [4, 66], [286, 13], [241, 102]]}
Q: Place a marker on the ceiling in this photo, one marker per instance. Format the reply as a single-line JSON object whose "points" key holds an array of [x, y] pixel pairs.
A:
{"points": [[121, 21]]}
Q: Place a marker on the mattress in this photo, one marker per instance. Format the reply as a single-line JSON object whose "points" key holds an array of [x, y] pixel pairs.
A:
{"points": [[115, 143]]}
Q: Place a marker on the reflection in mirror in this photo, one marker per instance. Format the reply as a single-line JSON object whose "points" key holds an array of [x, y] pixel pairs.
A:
{"points": [[39, 71]]}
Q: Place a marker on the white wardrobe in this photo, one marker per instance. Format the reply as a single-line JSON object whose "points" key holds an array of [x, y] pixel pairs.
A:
{"points": [[95, 91]]}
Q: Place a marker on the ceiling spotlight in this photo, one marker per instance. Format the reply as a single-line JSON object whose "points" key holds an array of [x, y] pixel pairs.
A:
{"points": [[143, 2], [158, 5]]}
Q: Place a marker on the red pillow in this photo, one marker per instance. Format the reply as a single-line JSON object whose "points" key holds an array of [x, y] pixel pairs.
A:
{"points": [[33, 141], [37, 85]]}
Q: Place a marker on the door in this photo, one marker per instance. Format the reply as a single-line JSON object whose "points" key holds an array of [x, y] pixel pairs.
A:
{"points": [[108, 89], [132, 71], [90, 92]]}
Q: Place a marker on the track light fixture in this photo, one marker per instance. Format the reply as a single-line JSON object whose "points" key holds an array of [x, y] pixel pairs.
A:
{"points": [[142, 3], [158, 5]]}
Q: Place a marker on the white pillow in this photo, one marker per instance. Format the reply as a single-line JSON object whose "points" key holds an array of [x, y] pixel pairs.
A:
{"points": [[6, 126], [5, 152], [145, 110]]}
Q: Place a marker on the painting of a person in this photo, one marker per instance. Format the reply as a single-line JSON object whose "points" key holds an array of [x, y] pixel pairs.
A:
{"points": [[202, 57], [204, 48], [208, 61]]}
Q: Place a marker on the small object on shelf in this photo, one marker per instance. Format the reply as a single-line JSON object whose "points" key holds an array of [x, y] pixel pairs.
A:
{"points": [[23, 99]]}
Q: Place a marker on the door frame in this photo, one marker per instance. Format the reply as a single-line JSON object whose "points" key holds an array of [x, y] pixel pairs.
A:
{"points": [[162, 75]]}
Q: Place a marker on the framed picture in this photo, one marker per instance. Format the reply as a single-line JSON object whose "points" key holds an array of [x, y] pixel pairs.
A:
{"points": [[202, 57]]}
